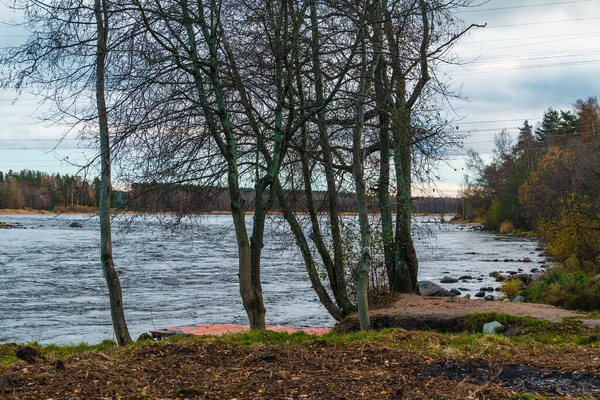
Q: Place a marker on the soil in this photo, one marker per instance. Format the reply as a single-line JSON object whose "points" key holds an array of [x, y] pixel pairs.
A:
{"points": [[391, 369], [447, 313]]}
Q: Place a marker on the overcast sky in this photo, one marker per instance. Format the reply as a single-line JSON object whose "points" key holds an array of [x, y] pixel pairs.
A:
{"points": [[532, 55]]}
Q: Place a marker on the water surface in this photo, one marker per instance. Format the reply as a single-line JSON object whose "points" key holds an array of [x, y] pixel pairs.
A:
{"points": [[52, 289]]}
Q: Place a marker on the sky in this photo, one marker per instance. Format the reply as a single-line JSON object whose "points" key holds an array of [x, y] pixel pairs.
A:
{"points": [[532, 55]]}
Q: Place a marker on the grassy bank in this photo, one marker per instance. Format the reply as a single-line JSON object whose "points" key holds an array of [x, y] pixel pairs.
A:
{"points": [[385, 364]]}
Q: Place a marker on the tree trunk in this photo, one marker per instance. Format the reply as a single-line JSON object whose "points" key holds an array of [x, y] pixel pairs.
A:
{"points": [[404, 277], [309, 262], [108, 268], [383, 190], [336, 274]]}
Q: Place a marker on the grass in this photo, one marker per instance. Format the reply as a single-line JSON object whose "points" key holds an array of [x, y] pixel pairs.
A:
{"points": [[532, 332]]}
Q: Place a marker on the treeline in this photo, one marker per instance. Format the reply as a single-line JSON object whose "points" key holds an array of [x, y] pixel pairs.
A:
{"points": [[42, 191], [548, 182]]}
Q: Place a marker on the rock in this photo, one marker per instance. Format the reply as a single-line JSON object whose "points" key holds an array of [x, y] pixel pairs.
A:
{"points": [[520, 269], [428, 288], [500, 278], [512, 331], [486, 289], [455, 291], [462, 289], [471, 253], [267, 356], [491, 327], [144, 336], [489, 297], [76, 225], [527, 260], [468, 296], [519, 299], [479, 279], [534, 270], [29, 354], [537, 276], [480, 294], [511, 272], [507, 301], [465, 277], [448, 279], [497, 289]]}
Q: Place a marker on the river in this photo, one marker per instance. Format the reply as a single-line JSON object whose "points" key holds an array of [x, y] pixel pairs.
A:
{"points": [[52, 289]]}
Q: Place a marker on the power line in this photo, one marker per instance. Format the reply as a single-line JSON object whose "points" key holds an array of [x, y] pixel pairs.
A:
{"points": [[532, 37], [542, 22], [497, 120], [523, 6], [485, 71]]}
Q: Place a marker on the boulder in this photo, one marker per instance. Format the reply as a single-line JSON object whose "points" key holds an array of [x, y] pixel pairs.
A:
{"points": [[491, 327], [448, 279], [519, 299], [489, 297], [537, 276], [465, 277], [76, 225], [144, 337], [455, 291], [468, 296], [507, 301], [527, 260], [500, 278], [428, 288], [480, 294]]}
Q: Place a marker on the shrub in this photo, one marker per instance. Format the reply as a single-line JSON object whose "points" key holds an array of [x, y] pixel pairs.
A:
{"points": [[563, 288], [511, 288], [507, 227], [574, 238]]}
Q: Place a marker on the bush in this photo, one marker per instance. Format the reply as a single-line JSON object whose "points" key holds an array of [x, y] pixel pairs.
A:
{"points": [[507, 227], [574, 238], [570, 290], [511, 288]]}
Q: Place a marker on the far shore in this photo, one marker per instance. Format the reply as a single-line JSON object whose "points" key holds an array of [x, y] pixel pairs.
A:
{"points": [[28, 211]]}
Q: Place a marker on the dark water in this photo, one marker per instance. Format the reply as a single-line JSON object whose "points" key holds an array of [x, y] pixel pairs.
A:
{"points": [[52, 289]]}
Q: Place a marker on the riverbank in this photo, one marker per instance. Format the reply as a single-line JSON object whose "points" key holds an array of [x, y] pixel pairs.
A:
{"points": [[454, 314], [391, 364]]}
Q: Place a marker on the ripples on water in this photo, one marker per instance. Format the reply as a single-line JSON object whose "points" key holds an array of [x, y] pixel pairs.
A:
{"points": [[52, 289]]}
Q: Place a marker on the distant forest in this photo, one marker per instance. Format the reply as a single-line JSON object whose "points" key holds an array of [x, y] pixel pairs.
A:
{"points": [[38, 190]]}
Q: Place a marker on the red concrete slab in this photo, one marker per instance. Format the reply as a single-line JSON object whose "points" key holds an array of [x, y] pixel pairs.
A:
{"points": [[222, 329]]}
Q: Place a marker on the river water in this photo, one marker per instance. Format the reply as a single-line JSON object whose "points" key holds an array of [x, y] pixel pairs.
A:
{"points": [[52, 289]]}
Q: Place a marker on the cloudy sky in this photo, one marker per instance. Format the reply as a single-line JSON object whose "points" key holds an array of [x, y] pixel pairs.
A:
{"points": [[532, 55]]}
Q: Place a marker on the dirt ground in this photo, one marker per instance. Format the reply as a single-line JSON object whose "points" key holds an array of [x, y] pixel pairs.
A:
{"points": [[405, 365], [445, 313]]}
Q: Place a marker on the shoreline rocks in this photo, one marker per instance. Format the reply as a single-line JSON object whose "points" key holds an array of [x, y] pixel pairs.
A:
{"points": [[428, 288]]}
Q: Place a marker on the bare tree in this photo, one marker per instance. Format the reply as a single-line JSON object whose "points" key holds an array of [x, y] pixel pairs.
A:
{"points": [[64, 61], [101, 13]]}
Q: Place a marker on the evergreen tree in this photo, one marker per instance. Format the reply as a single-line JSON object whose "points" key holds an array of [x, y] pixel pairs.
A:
{"points": [[526, 138], [568, 123], [550, 124]]}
